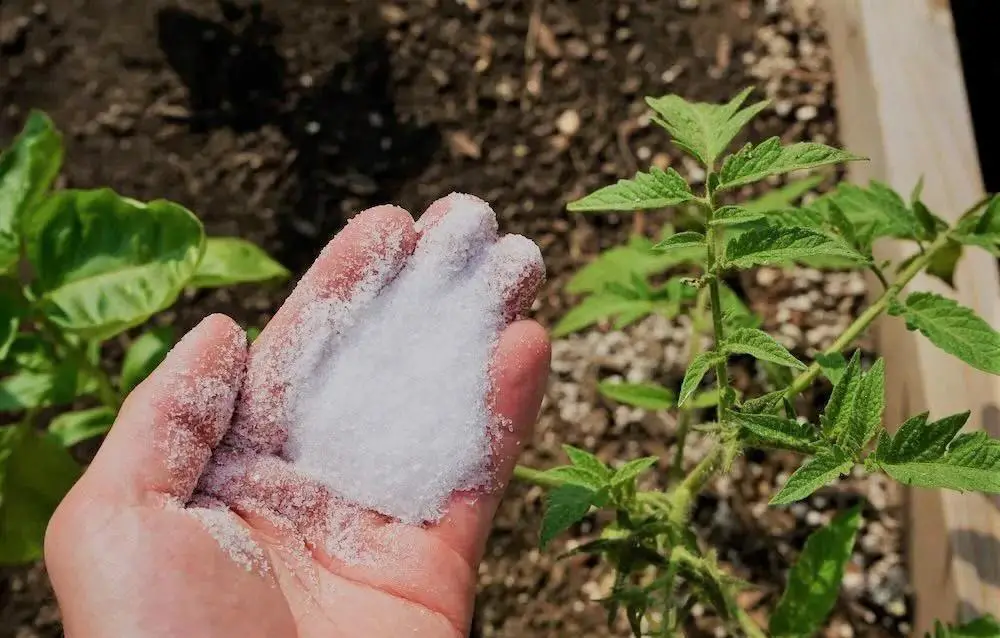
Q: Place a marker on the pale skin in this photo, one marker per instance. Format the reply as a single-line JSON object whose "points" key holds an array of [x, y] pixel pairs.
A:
{"points": [[124, 560]]}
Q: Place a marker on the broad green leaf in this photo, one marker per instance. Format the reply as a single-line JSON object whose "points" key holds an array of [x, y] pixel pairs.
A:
{"points": [[27, 169], [954, 328], [943, 262], [875, 211], [760, 345], [105, 263], [586, 460], [776, 245], [71, 428], [597, 307], [824, 468], [769, 431], [917, 440], [734, 215], [971, 463], [837, 414], [701, 129], [145, 353], [814, 580], [681, 241], [28, 389], [632, 469], [864, 416], [833, 365], [12, 308], [649, 396], [783, 196], [982, 627], [29, 352], [618, 264], [753, 163], [36, 471], [578, 475], [230, 260], [565, 505], [655, 189], [696, 372]]}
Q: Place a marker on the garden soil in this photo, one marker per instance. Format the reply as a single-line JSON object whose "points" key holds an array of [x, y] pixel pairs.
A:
{"points": [[277, 120]]}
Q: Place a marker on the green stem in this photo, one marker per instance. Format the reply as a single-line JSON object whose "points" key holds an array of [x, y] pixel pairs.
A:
{"points": [[682, 497], [870, 314], [713, 242], [686, 414], [537, 477], [749, 625], [109, 396]]}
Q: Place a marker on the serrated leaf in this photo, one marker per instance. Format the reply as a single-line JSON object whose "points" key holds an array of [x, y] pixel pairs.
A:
{"points": [[679, 241], [971, 463], [632, 469], [983, 627], [814, 581], [983, 228], [777, 245], [864, 416], [769, 431], [833, 365], [755, 162], [783, 196], [145, 353], [735, 313], [71, 428], [828, 465], [105, 263], [763, 404], [704, 130], [577, 475], [837, 413], [917, 440], [649, 396], [231, 260], [655, 189], [952, 327], [618, 264], [565, 505], [734, 215], [27, 169], [35, 474], [696, 372], [943, 262], [760, 345], [587, 461], [875, 211], [600, 306]]}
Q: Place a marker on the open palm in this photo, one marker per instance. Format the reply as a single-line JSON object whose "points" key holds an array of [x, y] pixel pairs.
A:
{"points": [[191, 520]]}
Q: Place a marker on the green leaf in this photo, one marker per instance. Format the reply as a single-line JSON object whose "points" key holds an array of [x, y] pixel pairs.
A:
{"points": [[145, 353], [29, 389], [649, 396], [618, 264], [36, 471], [837, 414], [983, 228], [971, 463], [27, 169], [828, 464], [734, 215], [565, 505], [105, 263], [735, 313], [864, 417], [876, 211], [230, 260], [578, 475], [701, 129], [71, 428], [586, 460], [597, 307], [783, 196], [833, 365], [916, 440], [655, 189], [12, 307], [680, 241], [755, 162], [776, 245], [769, 431], [954, 328], [760, 345], [814, 580], [632, 469], [696, 371], [983, 627], [943, 262], [763, 404]]}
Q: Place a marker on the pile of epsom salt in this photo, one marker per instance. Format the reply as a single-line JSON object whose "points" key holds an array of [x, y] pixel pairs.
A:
{"points": [[394, 415]]}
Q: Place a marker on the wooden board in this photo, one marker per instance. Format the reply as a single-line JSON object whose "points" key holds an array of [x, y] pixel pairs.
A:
{"points": [[901, 101]]}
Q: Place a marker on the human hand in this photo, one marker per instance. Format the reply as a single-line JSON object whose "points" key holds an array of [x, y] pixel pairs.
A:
{"points": [[194, 520]]}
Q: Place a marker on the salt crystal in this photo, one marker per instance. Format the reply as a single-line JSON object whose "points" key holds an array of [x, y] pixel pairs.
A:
{"points": [[232, 536]]}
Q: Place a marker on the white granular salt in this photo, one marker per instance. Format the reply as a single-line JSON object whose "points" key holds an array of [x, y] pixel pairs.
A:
{"points": [[392, 412], [233, 537]]}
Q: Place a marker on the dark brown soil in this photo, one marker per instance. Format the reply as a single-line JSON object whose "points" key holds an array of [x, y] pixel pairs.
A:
{"points": [[278, 120]]}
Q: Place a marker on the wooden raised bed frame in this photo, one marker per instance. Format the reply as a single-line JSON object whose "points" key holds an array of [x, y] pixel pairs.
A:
{"points": [[901, 101]]}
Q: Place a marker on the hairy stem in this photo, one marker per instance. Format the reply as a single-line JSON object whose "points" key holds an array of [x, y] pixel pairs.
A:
{"points": [[536, 477]]}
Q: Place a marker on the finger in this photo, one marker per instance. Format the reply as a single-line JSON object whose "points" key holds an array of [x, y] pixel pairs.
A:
{"points": [[365, 256], [168, 426], [456, 231], [516, 273], [520, 369]]}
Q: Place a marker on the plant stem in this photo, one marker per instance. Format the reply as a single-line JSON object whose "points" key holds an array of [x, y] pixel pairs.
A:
{"points": [[537, 477], [870, 314], [748, 624], [682, 497], [713, 241], [109, 396], [684, 419]]}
